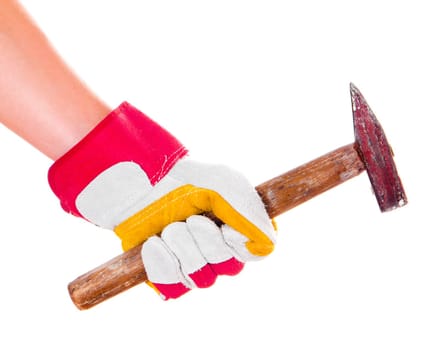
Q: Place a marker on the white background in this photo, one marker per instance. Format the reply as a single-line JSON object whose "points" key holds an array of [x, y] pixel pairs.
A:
{"points": [[261, 86]]}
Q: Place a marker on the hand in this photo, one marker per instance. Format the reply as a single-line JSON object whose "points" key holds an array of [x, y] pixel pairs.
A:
{"points": [[136, 180], [194, 252]]}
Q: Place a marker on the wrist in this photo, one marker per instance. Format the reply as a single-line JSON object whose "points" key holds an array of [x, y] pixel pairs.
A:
{"points": [[124, 135]]}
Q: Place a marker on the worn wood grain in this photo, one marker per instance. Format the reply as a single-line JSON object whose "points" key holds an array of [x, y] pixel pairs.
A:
{"points": [[279, 195]]}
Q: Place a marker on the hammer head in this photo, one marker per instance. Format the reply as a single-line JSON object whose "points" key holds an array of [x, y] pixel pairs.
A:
{"points": [[376, 154]]}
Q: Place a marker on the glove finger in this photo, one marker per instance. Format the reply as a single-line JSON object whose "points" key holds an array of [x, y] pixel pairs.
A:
{"points": [[230, 196], [192, 263], [208, 237], [238, 243], [163, 269]]}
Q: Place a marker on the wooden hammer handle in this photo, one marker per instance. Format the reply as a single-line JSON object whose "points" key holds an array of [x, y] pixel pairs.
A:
{"points": [[280, 194]]}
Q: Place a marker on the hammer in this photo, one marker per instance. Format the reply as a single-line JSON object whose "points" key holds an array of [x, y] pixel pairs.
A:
{"points": [[370, 151]]}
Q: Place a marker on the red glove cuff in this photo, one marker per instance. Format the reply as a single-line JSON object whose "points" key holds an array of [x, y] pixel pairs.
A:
{"points": [[126, 134]]}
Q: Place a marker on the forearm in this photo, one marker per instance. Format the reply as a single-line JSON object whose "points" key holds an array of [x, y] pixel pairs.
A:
{"points": [[41, 99]]}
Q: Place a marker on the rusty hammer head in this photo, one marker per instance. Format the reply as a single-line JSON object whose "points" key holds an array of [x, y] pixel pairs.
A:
{"points": [[376, 154]]}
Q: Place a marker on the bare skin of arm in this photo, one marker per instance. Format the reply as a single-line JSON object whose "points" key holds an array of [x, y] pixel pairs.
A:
{"points": [[41, 99]]}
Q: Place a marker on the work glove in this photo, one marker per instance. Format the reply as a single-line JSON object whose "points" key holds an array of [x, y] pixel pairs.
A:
{"points": [[131, 176]]}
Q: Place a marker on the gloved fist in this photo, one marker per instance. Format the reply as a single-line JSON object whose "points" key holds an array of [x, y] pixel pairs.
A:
{"points": [[130, 175]]}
